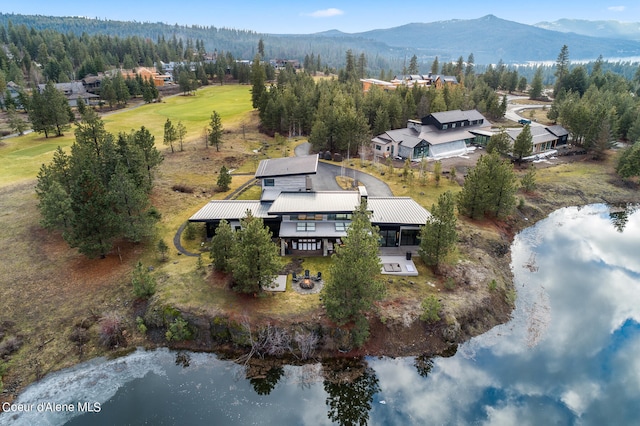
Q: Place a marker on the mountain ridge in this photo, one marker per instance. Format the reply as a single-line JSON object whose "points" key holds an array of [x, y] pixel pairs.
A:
{"points": [[489, 38]]}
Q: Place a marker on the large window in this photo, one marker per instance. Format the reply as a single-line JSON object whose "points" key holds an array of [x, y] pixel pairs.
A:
{"points": [[409, 237], [341, 226], [339, 216], [306, 227], [308, 216], [269, 182], [388, 237], [306, 244]]}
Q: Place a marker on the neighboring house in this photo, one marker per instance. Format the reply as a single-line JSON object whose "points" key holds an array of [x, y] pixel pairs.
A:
{"points": [[543, 138], [313, 222], [14, 92], [74, 91], [146, 73], [281, 64], [420, 80], [92, 83], [439, 135]]}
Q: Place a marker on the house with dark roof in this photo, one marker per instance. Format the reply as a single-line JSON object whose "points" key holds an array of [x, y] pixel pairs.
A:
{"points": [[73, 91], [439, 135], [308, 222], [543, 138]]}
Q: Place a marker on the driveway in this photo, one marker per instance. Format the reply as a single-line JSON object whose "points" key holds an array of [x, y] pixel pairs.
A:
{"points": [[513, 110], [325, 179]]}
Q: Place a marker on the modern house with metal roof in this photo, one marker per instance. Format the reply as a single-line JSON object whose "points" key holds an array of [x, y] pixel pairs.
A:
{"points": [[307, 222], [439, 135]]}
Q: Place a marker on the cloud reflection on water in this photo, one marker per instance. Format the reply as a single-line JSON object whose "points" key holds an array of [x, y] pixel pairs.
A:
{"points": [[584, 368]]}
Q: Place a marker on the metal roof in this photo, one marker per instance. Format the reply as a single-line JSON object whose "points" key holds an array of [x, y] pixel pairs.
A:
{"points": [[304, 165], [435, 137], [457, 115], [315, 202], [401, 210], [230, 210], [539, 134], [558, 130]]}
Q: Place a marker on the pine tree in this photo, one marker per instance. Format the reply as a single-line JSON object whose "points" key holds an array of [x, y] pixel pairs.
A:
{"points": [[224, 179], [181, 132], [523, 144], [255, 259], [499, 142], [94, 195], [258, 78], [438, 236], [169, 134], [215, 130], [222, 246], [354, 282], [489, 188], [535, 92], [629, 162], [528, 181]]}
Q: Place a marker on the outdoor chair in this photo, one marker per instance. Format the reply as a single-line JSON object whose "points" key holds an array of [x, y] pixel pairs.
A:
{"points": [[317, 277], [294, 277], [306, 274]]}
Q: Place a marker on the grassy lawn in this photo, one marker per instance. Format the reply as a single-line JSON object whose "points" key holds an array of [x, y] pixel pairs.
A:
{"points": [[22, 156]]}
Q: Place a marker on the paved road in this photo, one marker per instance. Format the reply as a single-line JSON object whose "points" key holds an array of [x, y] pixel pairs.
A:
{"points": [[513, 110], [325, 179]]}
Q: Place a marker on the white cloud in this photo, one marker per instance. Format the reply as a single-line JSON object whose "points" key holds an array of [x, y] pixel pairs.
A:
{"points": [[617, 8], [326, 13]]}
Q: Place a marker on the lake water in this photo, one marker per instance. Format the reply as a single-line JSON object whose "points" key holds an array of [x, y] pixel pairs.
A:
{"points": [[569, 356]]}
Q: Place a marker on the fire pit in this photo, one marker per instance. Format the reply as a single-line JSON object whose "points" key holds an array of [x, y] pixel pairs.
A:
{"points": [[306, 283]]}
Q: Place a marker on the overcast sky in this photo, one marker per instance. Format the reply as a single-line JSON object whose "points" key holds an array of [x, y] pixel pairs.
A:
{"points": [[297, 17]]}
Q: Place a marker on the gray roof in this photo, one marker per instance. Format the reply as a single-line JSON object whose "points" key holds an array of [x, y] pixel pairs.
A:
{"points": [[539, 134], [558, 130], [458, 115], [405, 136], [288, 166], [402, 210], [230, 210], [315, 202], [435, 137]]}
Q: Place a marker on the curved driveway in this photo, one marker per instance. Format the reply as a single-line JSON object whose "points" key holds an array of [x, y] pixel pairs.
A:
{"points": [[325, 179], [513, 110]]}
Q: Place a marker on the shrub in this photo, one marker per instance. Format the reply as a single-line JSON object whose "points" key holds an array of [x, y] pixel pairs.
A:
{"points": [[179, 330], [431, 309], [163, 248], [493, 285], [9, 345], [190, 232], [140, 325], [307, 343], [79, 335], [144, 284], [449, 284], [112, 331]]}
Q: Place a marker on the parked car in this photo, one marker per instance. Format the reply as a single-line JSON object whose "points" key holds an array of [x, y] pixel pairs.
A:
{"points": [[524, 121]]}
